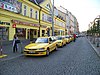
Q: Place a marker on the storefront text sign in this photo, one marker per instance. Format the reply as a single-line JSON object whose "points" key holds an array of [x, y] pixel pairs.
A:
{"points": [[25, 23]]}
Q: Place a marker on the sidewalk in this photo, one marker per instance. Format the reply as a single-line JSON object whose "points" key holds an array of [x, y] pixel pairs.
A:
{"points": [[96, 49], [7, 50]]}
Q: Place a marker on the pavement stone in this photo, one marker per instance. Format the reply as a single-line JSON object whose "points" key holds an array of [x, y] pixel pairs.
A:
{"points": [[76, 58], [7, 50], [95, 48]]}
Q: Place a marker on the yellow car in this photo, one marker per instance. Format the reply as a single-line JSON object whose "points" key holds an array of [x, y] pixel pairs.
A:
{"points": [[71, 38], [67, 39], [42, 46], [60, 41]]}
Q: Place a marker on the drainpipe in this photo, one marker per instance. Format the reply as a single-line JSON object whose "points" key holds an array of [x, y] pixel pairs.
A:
{"points": [[53, 19], [40, 21]]}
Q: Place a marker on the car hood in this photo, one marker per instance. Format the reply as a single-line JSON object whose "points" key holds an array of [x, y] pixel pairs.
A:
{"points": [[36, 45], [58, 40], [66, 38]]}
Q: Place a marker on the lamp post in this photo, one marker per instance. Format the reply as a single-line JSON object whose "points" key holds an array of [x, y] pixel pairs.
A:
{"points": [[53, 19]]}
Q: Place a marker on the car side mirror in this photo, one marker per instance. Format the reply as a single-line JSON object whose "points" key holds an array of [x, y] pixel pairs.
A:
{"points": [[49, 42]]}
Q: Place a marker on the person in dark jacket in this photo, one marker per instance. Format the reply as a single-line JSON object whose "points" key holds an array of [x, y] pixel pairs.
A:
{"points": [[15, 44], [74, 35]]}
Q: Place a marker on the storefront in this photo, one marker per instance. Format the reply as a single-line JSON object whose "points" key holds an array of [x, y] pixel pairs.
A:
{"points": [[26, 30], [43, 30], [4, 33], [4, 29]]}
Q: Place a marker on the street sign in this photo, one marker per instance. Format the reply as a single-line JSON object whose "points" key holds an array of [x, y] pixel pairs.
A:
{"points": [[14, 25]]}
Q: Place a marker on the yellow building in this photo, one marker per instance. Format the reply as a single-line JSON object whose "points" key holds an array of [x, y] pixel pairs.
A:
{"points": [[22, 19], [28, 19], [60, 22], [46, 19], [59, 26]]}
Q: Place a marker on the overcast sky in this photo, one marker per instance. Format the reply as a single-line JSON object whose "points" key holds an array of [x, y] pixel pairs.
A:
{"points": [[84, 10]]}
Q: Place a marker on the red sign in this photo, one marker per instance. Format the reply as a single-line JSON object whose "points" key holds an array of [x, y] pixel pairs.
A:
{"points": [[14, 25]]}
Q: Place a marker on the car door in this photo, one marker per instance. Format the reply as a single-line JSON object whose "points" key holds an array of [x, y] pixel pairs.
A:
{"points": [[52, 44]]}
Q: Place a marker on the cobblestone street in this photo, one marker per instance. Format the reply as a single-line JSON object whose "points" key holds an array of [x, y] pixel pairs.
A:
{"points": [[76, 58]]}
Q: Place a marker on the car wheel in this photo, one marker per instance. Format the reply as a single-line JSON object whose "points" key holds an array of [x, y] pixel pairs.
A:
{"points": [[47, 52], [62, 45], [65, 44], [56, 47]]}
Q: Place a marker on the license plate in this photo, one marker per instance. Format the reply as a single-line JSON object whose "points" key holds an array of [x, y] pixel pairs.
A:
{"points": [[31, 52]]}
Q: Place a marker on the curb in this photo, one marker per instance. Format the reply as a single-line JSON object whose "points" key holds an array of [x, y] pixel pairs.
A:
{"points": [[11, 58], [97, 52], [2, 56]]}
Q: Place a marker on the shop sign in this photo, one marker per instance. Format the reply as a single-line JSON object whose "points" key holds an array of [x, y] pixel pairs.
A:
{"points": [[4, 23], [8, 7], [25, 23], [14, 25], [11, 5], [43, 26]]}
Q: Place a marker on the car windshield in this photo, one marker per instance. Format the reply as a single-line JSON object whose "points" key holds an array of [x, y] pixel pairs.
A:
{"points": [[42, 40], [59, 38], [67, 36]]}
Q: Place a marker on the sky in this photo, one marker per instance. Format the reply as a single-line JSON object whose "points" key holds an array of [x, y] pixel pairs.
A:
{"points": [[84, 10]]}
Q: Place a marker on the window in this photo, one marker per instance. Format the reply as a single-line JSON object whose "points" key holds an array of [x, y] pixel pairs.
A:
{"points": [[43, 32], [36, 15], [4, 33], [25, 10], [35, 32], [43, 17], [49, 19], [31, 12]]}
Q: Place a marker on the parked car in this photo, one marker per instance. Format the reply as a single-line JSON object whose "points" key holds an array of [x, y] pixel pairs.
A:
{"points": [[42, 46], [60, 41], [67, 38], [71, 38]]}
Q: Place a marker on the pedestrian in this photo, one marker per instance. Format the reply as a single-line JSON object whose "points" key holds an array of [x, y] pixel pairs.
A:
{"points": [[74, 35], [15, 43]]}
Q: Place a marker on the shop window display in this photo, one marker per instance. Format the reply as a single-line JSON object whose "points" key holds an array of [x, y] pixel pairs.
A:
{"points": [[4, 33], [21, 33]]}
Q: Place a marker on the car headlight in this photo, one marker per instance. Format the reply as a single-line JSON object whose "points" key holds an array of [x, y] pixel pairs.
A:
{"points": [[59, 42]]}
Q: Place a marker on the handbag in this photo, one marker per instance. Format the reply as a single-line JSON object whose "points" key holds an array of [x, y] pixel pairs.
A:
{"points": [[17, 41]]}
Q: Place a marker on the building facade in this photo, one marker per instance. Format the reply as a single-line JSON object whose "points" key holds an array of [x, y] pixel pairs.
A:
{"points": [[72, 25], [60, 22], [31, 19]]}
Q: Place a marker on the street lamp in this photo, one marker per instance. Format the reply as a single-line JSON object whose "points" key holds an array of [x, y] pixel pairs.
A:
{"points": [[53, 19]]}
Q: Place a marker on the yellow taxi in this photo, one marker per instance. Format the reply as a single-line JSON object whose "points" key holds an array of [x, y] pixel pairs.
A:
{"points": [[71, 38], [60, 41], [67, 38], [42, 46]]}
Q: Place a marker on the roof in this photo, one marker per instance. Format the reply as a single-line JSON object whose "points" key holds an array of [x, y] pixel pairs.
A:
{"points": [[40, 1], [37, 1]]}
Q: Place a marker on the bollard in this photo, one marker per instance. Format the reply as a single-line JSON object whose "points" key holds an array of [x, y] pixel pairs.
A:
{"points": [[21, 48], [97, 42], [1, 50], [0, 46]]}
